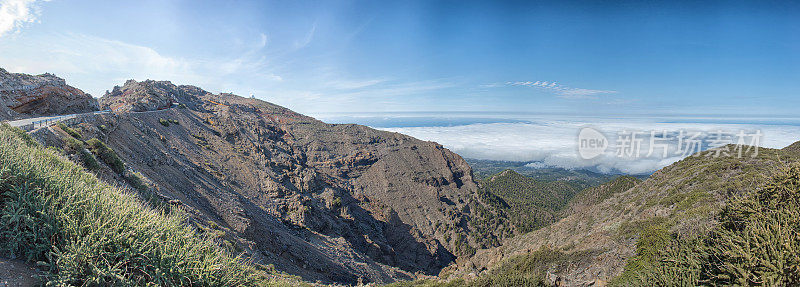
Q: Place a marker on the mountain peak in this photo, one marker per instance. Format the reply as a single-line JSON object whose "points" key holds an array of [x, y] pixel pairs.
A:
{"points": [[150, 95]]}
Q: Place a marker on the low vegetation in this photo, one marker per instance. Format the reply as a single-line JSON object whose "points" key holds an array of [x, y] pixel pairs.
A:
{"points": [[756, 243], [85, 232], [597, 194], [69, 131], [77, 148], [523, 270], [167, 122]]}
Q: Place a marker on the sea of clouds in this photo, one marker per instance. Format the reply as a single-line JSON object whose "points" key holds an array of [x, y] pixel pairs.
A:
{"points": [[554, 143]]}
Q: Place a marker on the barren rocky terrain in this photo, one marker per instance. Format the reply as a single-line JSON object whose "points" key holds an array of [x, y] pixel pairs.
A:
{"points": [[23, 95], [17, 273]]}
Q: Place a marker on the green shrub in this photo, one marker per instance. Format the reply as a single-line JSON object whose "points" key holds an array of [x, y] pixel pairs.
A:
{"points": [[525, 270], [88, 160], [756, 243], [136, 181], [75, 146], [69, 131], [107, 155], [84, 232], [163, 122], [759, 236]]}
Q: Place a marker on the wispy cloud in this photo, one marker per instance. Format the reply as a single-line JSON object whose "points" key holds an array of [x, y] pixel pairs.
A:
{"points": [[307, 39], [342, 84], [263, 41], [564, 91], [16, 13], [385, 89]]}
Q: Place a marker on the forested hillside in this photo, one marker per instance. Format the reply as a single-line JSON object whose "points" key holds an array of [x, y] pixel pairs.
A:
{"points": [[530, 203]]}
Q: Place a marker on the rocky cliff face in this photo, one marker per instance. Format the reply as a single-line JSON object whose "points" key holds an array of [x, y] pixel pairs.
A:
{"points": [[335, 203], [23, 95]]}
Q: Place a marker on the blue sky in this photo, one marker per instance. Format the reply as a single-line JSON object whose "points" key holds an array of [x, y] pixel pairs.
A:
{"points": [[599, 58]]}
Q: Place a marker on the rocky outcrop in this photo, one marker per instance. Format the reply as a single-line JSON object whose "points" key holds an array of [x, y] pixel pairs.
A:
{"points": [[23, 95], [334, 203], [149, 95]]}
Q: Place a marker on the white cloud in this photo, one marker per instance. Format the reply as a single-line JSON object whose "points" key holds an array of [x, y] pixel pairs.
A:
{"points": [[563, 91], [263, 42], [16, 13], [342, 84], [307, 39], [554, 143]]}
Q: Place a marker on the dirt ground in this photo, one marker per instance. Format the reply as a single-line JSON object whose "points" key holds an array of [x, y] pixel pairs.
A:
{"points": [[16, 273]]}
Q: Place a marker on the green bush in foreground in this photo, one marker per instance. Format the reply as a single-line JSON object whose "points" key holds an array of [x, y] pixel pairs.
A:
{"points": [[757, 243], [85, 232]]}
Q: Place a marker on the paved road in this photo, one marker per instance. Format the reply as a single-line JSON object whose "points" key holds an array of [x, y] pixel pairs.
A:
{"points": [[34, 123]]}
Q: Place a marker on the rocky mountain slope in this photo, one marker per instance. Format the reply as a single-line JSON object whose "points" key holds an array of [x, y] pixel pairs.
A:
{"points": [[682, 199], [23, 95], [330, 203]]}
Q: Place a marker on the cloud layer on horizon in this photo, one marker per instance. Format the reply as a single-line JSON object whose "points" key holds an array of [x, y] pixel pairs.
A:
{"points": [[554, 143]]}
